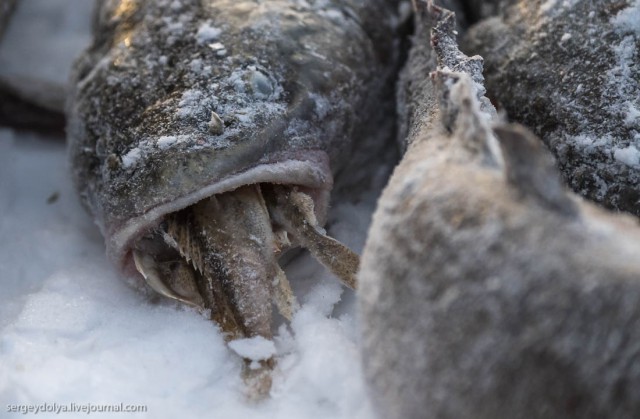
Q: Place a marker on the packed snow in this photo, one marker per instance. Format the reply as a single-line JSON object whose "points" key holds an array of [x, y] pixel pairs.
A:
{"points": [[627, 19], [207, 33], [628, 155], [256, 348]]}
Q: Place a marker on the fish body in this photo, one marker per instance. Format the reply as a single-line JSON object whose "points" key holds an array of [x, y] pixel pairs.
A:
{"points": [[486, 289], [568, 71]]}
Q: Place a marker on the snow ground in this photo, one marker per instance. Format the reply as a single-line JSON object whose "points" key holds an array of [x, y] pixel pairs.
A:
{"points": [[43, 38], [71, 331]]}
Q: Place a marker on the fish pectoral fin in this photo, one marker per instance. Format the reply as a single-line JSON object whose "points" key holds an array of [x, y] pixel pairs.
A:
{"points": [[294, 210], [283, 297]]}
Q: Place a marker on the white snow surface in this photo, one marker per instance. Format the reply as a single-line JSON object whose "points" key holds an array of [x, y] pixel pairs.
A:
{"points": [[628, 155], [207, 33], [72, 331], [628, 19], [256, 348]]}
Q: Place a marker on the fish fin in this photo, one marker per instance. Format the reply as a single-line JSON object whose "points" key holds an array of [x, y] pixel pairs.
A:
{"points": [[530, 168]]}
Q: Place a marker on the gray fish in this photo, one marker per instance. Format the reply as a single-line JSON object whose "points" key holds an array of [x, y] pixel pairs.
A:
{"points": [[487, 290], [568, 70], [205, 135]]}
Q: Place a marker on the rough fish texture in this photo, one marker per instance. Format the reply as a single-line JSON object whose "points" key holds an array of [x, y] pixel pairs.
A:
{"points": [[179, 100], [568, 70], [486, 289], [480, 9], [416, 96]]}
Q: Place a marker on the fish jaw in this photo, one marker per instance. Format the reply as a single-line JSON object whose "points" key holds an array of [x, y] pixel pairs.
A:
{"points": [[313, 174]]}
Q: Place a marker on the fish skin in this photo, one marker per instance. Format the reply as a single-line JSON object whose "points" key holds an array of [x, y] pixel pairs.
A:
{"points": [[417, 101], [294, 87], [559, 68]]}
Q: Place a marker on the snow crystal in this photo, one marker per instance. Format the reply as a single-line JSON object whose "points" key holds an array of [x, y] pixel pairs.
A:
{"points": [[261, 86], [633, 114], [217, 46], [334, 15], [622, 79], [590, 142], [190, 102], [629, 155], [131, 158], [207, 33], [322, 105], [175, 28], [548, 5], [196, 65], [167, 141], [565, 37], [235, 79], [245, 118], [256, 348], [628, 20]]}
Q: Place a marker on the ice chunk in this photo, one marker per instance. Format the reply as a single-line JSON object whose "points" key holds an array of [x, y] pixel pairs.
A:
{"points": [[131, 158], [256, 348], [628, 155], [207, 33], [628, 20]]}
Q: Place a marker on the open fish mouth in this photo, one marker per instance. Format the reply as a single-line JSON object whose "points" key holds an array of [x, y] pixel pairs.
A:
{"points": [[221, 255]]}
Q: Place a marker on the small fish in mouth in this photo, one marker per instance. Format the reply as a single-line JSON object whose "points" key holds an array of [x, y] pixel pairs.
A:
{"points": [[221, 254]]}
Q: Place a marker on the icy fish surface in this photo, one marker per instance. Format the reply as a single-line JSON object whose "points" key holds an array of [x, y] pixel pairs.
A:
{"points": [[179, 100], [568, 70]]}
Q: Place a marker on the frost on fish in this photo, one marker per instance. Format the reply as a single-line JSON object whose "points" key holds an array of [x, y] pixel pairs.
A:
{"points": [[291, 82], [204, 138], [568, 70], [416, 96]]}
